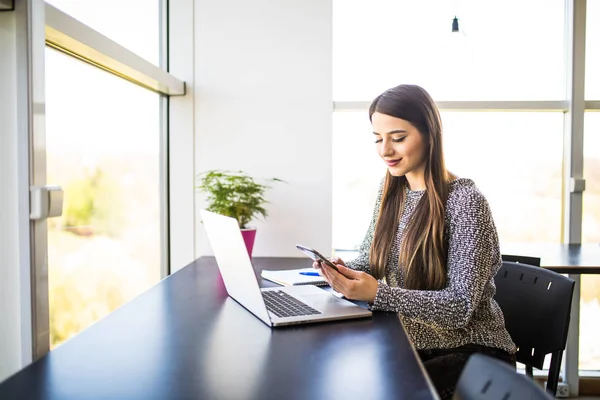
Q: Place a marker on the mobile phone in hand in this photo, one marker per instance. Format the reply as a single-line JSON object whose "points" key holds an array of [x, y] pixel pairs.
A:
{"points": [[316, 256]]}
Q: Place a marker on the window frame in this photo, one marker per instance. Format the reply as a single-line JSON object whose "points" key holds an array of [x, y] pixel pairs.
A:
{"points": [[40, 25]]}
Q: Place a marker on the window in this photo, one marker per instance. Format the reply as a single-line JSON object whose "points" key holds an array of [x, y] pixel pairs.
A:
{"points": [[589, 347], [382, 43], [134, 24], [592, 52], [591, 171], [357, 172], [504, 153], [103, 148]]}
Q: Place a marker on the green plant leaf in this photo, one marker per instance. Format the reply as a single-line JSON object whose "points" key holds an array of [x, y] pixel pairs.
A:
{"points": [[235, 194]]}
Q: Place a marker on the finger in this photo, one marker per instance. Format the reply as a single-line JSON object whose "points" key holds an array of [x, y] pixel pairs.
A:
{"points": [[340, 288], [332, 273], [316, 264], [348, 288], [337, 260], [336, 281], [349, 273], [324, 272], [329, 274]]}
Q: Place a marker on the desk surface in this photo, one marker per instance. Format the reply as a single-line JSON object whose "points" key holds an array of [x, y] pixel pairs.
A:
{"points": [[563, 258], [185, 338]]}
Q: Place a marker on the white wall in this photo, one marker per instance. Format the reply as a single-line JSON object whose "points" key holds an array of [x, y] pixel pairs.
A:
{"points": [[264, 105], [10, 345]]}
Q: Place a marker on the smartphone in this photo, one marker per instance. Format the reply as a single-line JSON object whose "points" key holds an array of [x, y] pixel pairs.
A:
{"points": [[316, 256]]}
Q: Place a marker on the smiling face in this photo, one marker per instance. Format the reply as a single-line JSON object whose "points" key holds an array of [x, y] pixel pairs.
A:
{"points": [[402, 147]]}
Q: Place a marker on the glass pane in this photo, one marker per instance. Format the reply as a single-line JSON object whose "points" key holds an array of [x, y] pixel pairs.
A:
{"points": [[590, 227], [357, 171], [103, 148], [589, 346], [592, 51], [504, 153], [378, 44], [589, 323], [134, 24]]}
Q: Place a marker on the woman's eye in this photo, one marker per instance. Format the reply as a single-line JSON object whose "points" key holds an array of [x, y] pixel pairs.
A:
{"points": [[399, 140], [378, 141]]}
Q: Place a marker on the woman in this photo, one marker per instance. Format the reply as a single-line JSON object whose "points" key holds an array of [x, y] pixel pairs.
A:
{"points": [[431, 251]]}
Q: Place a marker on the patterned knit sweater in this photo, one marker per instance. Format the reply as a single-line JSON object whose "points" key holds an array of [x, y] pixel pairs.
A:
{"points": [[464, 312]]}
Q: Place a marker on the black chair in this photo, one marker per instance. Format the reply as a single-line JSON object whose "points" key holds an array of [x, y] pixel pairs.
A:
{"points": [[522, 259], [486, 378], [536, 303]]}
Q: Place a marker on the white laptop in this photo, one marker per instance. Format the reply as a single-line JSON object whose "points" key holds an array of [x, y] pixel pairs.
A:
{"points": [[275, 306]]}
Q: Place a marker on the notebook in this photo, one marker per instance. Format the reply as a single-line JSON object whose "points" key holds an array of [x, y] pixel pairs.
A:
{"points": [[292, 277]]}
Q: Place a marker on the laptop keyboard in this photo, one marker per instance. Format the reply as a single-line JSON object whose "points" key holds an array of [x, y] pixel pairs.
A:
{"points": [[284, 305]]}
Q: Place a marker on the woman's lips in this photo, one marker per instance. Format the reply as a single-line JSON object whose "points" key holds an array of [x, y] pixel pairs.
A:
{"points": [[391, 163]]}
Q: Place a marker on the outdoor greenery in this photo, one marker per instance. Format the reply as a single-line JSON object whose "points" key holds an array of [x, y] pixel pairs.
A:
{"points": [[235, 194], [93, 204], [79, 201]]}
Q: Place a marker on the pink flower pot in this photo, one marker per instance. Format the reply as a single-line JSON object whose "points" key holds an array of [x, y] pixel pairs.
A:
{"points": [[249, 235]]}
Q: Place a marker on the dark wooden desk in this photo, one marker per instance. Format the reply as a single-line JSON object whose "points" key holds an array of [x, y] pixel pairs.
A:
{"points": [[186, 339], [562, 258]]}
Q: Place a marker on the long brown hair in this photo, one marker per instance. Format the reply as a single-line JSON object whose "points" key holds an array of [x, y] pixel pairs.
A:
{"points": [[424, 249]]}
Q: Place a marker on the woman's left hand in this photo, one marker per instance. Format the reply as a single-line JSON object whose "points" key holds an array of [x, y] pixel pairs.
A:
{"points": [[352, 284]]}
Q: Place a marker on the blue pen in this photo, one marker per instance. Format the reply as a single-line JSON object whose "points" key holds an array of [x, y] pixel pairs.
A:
{"points": [[309, 273]]}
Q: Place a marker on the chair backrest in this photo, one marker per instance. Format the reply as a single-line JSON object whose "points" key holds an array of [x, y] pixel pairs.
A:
{"points": [[537, 261], [485, 377], [536, 304]]}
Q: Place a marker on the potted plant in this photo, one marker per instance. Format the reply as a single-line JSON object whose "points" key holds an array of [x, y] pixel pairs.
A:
{"points": [[236, 195]]}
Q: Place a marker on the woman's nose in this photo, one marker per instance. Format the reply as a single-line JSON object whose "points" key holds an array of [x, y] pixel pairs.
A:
{"points": [[386, 150]]}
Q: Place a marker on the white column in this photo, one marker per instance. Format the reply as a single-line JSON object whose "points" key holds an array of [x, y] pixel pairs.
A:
{"points": [[181, 136], [573, 161], [15, 290]]}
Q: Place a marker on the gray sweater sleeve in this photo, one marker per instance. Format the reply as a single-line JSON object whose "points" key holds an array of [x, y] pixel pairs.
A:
{"points": [[473, 259], [361, 262]]}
